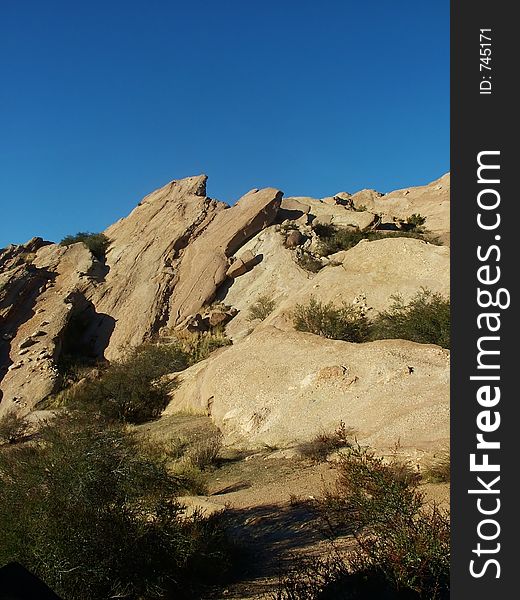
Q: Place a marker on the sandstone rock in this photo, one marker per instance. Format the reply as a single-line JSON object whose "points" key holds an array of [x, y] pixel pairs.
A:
{"points": [[136, 292], [241, 264], [431, 201], [376, 270], [25, 297], [342, 217], [293, 239], [277, 276], [279, 387], [177, 251], [204, 263], [237, 268], [366, 199], [217, 317], [293, 205]]}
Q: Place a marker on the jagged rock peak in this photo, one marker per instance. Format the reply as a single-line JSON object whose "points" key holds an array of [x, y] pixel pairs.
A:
{"points": [[195, 185]]}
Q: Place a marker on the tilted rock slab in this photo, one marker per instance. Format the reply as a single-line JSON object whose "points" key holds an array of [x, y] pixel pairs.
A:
{"points": [[143, 259], [168, 257], [280, 387], [205, 263]]}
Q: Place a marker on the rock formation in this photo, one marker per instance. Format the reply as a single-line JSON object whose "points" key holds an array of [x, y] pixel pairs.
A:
{"points": [[179, 251], [276, 387]]}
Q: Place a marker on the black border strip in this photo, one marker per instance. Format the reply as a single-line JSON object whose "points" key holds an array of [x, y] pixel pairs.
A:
{"points": [[483, 122]]}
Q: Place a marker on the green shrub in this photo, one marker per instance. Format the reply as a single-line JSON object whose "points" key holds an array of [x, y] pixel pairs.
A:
{"points": [[334, 239], [131, 390], [425, 319], [415, 223], [89, 513], [323, 444], [97, 243], [347, 322], [261, 309]]}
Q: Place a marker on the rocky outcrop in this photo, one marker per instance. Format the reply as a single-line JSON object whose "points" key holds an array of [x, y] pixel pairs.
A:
{"points": [[205, 263], [368, 208], [38, 301], [373, 271], [277, 387], [144, 257], [181, 259]]}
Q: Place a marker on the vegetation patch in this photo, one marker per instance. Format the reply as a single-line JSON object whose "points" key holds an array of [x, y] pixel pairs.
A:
{"points": [[426, 319], [439, 469], [415, 223], [308, 262], [261, 309], [132, 389], [334, 239], [402, 546], [13, 428], [92, 515], [97, 243], [199, 345], [347, 322]]}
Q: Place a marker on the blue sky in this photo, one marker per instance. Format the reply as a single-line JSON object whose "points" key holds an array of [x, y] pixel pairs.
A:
{"points": [[103, 101]]}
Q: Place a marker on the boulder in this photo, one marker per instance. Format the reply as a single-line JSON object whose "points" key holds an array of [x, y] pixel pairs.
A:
{"points": [[293, 239], [280, 387]]}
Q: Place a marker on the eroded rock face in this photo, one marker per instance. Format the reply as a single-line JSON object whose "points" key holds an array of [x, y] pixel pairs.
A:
{"points": [[368, 208], [375, 271], [144, 258], [37, 302], [277, 387]]}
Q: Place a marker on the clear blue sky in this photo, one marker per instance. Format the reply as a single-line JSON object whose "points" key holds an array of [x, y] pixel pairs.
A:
{"points": [[104, 101]]}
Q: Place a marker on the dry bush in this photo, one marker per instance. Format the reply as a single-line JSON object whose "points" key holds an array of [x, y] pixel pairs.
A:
{"points": [[13, 428], [309, 263], [323, 444], [439, 469], [204, 452], [261, 309], [199, 345]]}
